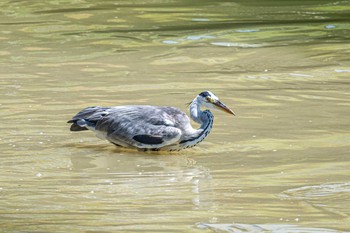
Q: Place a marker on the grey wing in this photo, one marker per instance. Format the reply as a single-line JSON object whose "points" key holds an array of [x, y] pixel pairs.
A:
{"points": [[140, 126]]}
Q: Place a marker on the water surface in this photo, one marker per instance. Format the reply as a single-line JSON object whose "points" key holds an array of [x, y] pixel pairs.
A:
{"points": [[281, 165]]}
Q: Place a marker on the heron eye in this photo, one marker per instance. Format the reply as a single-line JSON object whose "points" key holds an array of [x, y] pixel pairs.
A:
{"points": [[210, 100]]}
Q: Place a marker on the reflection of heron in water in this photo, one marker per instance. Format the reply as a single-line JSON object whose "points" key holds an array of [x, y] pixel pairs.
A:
{"points": [[150, 127]]}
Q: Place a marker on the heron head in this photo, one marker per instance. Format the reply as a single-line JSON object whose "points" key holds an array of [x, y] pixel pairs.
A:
{"points": [[209, 100]]}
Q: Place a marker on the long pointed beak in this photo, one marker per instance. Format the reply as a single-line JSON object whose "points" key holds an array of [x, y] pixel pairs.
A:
{"points": [[223, 107]]}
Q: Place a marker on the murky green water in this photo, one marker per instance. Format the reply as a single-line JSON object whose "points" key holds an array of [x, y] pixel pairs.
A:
{"points": [[281, 165]]}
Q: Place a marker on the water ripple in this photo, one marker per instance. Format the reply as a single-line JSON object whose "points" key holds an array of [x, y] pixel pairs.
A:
{"points": [[256, 228], [317, 191]]}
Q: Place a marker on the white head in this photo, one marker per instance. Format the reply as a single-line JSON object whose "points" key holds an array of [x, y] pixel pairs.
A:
{"points": [[208, 100]]}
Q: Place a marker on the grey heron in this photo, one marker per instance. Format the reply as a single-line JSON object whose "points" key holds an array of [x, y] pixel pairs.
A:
{"points": [[147, 127]]}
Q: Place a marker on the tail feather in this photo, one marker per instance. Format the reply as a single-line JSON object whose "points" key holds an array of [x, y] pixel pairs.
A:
{"points": [[75, 127], [86, 117]]}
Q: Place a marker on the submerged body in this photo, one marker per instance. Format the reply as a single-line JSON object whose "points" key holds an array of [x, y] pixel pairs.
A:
{"points": [[150, 127]]}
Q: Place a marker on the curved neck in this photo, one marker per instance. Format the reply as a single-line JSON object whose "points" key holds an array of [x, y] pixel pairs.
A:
{"points": [[204, 118], [198, 116]]}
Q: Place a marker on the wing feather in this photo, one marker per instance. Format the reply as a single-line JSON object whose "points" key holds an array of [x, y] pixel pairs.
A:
{"points": [[141, 126], [148, 139]]}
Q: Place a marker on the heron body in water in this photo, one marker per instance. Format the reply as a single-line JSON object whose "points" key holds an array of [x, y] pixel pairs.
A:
{"points": [[147, 127]]}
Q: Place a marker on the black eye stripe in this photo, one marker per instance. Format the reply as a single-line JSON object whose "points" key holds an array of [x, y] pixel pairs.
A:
{"points": [[204, 94]]}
